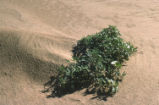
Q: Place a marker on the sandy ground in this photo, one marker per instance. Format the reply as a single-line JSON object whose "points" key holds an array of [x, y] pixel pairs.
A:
{"points": [[38, 35]]}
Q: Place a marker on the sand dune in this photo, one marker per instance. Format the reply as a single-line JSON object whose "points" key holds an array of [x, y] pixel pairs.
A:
{"points": [[37, 35]]}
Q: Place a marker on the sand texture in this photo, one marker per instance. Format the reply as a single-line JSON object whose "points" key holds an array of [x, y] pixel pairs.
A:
{"points": [[37, 35]]}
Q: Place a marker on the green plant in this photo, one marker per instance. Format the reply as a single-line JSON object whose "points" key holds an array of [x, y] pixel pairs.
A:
{"points": [[97, 62]]}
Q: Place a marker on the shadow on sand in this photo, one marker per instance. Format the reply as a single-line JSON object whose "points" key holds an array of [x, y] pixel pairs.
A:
{"points": [[51, 86]]}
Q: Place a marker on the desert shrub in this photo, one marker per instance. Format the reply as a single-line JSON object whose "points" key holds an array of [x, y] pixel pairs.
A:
{"points": [[97, 62]]}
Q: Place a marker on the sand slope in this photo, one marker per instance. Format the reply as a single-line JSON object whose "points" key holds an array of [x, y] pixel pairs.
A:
{"points": [[37, 35]]}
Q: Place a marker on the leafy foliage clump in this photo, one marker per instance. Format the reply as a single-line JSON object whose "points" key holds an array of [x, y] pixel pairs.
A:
{"points": [[97, 62]]}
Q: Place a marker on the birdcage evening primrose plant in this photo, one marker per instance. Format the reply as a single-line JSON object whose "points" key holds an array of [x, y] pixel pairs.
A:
{"points": [[98, 59]]}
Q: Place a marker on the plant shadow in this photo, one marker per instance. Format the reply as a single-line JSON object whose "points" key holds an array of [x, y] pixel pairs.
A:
{"points": [[98, 95], [50, 87]]}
